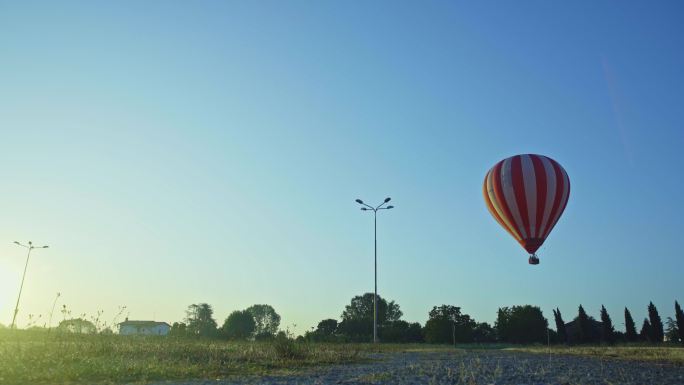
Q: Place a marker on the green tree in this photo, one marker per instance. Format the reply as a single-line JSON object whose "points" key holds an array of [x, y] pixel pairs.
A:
{"points": [[178, 329], [77, 325], [357, 317], [401, 332], [630, 327], [671, 331], [327, 327], [502, 324], [619, 336], [446, 324], [607, 330], [199, 320], [679, 316], [266, 319], [361, 308], [239, 325], [553, 336], [325, 331], [584, 326], [521, 324], [484, 332], [560, 326], [657, 332], [645, 333], [357, 330]]}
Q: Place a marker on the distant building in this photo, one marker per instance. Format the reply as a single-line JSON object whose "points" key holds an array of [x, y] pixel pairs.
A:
{"points": [[144, 328]]}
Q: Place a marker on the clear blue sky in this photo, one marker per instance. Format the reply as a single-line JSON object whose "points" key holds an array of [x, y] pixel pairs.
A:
{"points": [[176, 152]]}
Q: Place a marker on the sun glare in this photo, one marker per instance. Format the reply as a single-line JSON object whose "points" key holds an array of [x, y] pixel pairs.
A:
{"points": [[8, 288]]}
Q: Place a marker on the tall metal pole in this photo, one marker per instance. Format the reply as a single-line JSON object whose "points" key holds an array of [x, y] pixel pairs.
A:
{"points": [[21, 287], [23, 277], [375, 297], [375, 247]]}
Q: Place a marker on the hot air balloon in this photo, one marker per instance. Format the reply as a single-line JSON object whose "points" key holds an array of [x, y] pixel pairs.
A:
{"points": [[527, 194]]}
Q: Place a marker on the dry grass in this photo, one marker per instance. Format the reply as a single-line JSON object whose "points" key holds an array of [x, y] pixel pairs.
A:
{"points": [[28, 357], [665, 354], [36, 357], [393, 348]]}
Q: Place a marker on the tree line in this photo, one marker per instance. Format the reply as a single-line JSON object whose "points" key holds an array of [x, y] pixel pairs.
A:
{"points": [[522, 324], [256, 322], [446, 324], [585, 329]]}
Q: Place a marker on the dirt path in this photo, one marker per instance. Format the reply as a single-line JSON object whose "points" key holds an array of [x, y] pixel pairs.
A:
{"points": [[474, 367]]}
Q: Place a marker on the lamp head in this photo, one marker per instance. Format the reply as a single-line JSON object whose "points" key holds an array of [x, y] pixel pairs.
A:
{"points": [[359, 201], [363, 208], [388, 199], [390, 207]]}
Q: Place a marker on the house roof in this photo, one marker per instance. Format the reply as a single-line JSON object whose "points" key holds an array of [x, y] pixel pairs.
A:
{"points": [[143, 323]]}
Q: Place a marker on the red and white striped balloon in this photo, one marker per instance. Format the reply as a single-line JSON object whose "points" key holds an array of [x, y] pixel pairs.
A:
{"points": [[527, 194]]}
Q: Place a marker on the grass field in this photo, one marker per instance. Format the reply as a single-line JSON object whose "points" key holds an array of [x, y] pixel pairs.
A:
{"points": [[670, 354], [38, 357]]}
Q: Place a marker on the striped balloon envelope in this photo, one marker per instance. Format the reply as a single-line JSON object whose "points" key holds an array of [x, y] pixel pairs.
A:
{"points": [[527, 194]]}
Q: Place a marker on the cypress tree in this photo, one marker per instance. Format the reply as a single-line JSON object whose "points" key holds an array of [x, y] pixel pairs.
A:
{"points": [[645, 333], [583, 326], [657, 332], [671, 330], [607, 330], [560, 326], [630, 328], [679, 316]]}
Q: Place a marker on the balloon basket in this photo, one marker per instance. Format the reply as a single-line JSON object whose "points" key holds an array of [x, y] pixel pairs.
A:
{"points": [[533, 260]]}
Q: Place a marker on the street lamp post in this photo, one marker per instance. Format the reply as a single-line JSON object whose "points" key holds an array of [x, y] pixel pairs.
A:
{"points": [[375, 239], [21, 287]]}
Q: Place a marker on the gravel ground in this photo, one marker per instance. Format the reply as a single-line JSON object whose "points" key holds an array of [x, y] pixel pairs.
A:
{"points": [[473, 367]]}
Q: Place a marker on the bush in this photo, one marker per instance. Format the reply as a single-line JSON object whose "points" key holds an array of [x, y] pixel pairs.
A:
{"points": [[264, 337], [286, 348]]}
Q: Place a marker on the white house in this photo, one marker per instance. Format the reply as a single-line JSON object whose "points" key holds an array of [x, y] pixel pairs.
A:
{"points": [[147, 328]]}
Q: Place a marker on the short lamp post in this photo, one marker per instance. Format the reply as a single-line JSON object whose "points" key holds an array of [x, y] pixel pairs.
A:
{"points": [[21, 287], [375, 238]]}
